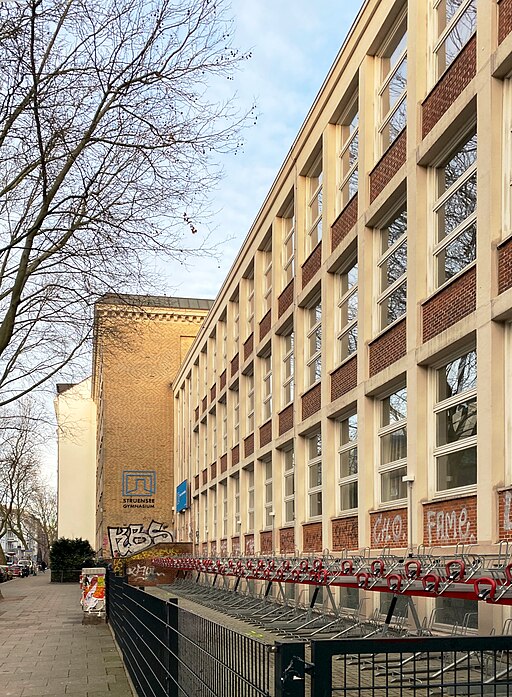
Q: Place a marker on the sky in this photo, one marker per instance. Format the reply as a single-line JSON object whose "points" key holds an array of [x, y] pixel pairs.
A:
{"points": [[293, 45]]}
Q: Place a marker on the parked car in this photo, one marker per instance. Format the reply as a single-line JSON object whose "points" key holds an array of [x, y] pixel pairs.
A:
{"points": [[28, 564], [15, 569], [5, 573]]}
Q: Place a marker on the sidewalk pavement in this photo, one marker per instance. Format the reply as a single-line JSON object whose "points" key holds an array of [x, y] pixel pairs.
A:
{"points": [[45, 651]]}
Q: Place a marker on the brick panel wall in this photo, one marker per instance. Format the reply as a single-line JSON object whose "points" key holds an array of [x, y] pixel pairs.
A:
{"points": [[450, 305], [224, 463], [213, 548], [205, 475], [235, 545], [285, 299], [266, 433], [234, 365], [223, 379], [311, 401], [312, 537], [505, 515], [389, 528], [235, 455], [265, 325], [249, 545], [204, 549], [248, 346], [213, 470], [504, 19], [505, 265], [204, 403], [286, 419], [196, 413], [312, 265], [388, 348], [450, 522], [344, 222], [344, 378], [249, 445], [196, 482], [287, 540], [388, 165], [345, 534], [213, 393], [224, 547], [450, 85], [266, 542]]}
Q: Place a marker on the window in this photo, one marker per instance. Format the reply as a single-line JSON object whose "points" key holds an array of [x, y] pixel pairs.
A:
{"points": [[347, 458], [347, 174], [236, 322], [224, 415], [267, 277], [289, 245], [455, 24], [349, 598], [456, 422], [205, 514], [314, 206], [224, 492], [214, 507], [455, 212], [236, 496], [267, 387], [269, 510], [289, 486], [236, 417], [288, 369], [213, 420], [393, 87], [314, 344], [393, 446], [250, 403], [392, 270], [314, 452], [457, 611], [347, 312], [250, 499], [250, 305]]}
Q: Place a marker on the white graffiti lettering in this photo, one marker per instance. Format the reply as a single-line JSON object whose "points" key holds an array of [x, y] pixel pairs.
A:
{"points": [[448, 526], [387, 529], [507, 519], [132, 539]]}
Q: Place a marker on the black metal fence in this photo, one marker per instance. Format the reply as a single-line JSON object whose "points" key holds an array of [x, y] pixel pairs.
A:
{"points": [[412, 666], [169, 651]]}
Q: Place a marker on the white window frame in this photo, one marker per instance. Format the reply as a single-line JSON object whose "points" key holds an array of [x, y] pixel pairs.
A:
{"points": [[386, 291], [288, 222], [441, 405], [384, 431], [267, 388], [250, 306], [348, 133], [314, 357], [345, 446], [205, 515], [236, 507], [314, 200], [440, 200], [267, 277], [213, 492], [385, 118], [250, 499], [236, 417], [288, 368], [224, 414], [268, 496], [507, 157], [236, 323], [250, 404], [346, 295], [440, 35], [224, 486], [314, 460], [213, 418], [288, 473]]}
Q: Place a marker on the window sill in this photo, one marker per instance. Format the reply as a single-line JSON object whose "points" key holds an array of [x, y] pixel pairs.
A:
{"points": [[455, 493], [345, 514], [388, 328], [390, 506], [343, 362]]}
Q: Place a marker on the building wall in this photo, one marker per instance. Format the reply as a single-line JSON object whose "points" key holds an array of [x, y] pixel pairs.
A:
{"points": [[442, 348], [76, 432], [138, 351]]}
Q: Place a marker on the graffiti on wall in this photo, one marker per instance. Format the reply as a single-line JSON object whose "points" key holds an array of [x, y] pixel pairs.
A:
{"points": [[507, 511], [389, 528], [131, 539], [449, 526]]}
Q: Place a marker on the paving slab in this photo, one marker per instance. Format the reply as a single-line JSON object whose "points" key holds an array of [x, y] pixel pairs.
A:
{"points": [[45, 651]]}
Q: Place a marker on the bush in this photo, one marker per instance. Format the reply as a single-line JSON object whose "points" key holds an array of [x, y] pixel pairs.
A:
{"points": [[68, 555]]}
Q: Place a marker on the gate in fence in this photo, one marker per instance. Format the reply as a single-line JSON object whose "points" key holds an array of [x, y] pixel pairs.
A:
{"points": [[170, 652]]}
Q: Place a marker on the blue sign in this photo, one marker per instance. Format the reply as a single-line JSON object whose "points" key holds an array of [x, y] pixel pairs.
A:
{"points": [[139, 483], [182, 496]]}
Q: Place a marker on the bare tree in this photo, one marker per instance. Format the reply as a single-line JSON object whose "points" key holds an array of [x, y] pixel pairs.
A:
{"points": [[107, 133], [43, 507]]}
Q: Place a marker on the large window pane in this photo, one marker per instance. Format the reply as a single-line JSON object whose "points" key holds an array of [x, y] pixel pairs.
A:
{"points": [[392, 487], [456, 423], [456, 469]]}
